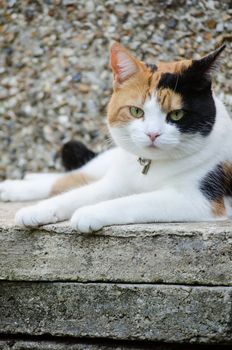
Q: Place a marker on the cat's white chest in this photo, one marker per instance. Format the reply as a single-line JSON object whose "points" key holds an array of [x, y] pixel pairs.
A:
{"points": [[155, 177], [143, 177]]}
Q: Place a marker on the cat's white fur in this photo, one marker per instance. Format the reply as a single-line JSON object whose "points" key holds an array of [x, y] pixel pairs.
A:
{"points": [[169, 192]]}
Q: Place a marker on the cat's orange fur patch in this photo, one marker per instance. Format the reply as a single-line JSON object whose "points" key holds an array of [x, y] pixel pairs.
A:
{"points": [[176, 67], [69, 182], [227, 168], [218, 208]]}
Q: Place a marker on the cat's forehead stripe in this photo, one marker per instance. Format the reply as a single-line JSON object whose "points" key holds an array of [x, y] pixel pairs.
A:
{"points": [[169, 100], [165, 101]]}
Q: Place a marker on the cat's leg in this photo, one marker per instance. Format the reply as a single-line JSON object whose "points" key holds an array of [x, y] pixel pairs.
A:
{"points": [[34, 187], [61, 207], [166, 205], [41, 186]]}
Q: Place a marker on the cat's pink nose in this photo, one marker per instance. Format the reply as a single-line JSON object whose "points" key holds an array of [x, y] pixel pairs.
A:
{"points": [[152, 135]]}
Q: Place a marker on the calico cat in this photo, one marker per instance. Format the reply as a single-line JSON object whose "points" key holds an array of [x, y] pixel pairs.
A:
{"points": [[173, 160]]}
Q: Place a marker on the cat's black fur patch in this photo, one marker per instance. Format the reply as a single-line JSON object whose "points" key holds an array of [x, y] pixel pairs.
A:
{"points": [[194, 85], [152, 67], [213, 185], [217, 184], [74, 154], [198, 102]]}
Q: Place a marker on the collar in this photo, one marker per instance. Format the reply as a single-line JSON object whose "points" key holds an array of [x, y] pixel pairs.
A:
{"points": [[145, 163]]}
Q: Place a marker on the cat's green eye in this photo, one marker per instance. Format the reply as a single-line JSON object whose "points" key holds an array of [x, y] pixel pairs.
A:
{"points": [[136, 112], [176, 115]]}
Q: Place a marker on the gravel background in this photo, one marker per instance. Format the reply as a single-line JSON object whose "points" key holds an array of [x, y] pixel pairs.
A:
{"points": [[55, 80]]}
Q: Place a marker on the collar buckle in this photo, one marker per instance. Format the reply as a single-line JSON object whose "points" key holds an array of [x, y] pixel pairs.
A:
{"points": [[145, 163]]}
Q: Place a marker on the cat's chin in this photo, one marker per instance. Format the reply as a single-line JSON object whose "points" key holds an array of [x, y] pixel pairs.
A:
{"points": [[153, 153]]}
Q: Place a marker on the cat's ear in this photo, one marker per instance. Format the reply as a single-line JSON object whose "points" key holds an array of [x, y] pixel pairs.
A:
{"points": [[205, 66], [123, 64]]}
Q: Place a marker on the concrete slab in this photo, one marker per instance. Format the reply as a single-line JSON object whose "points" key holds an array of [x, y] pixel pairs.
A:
{"points": [[117, 311], [184, 253]]}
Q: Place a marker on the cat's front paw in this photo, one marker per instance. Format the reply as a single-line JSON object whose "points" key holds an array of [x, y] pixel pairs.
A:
{"points": [[87, 219], [36, 215]]}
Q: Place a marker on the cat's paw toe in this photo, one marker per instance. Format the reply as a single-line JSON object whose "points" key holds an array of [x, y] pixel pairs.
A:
{"points": [[27, 217], [86, 220]]}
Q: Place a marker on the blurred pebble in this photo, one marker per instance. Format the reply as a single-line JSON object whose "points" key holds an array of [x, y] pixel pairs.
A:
{"points": [[77, 77]]}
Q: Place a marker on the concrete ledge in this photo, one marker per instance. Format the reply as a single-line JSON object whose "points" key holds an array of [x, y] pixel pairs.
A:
{"points": [[117, 311], [189, 253], [77, 344], [157, 282]]}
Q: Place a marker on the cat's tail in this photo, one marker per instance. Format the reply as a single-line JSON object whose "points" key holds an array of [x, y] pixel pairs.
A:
{"points": [[75, 154]]}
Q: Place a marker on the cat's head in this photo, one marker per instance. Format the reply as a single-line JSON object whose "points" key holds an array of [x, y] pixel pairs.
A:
{"points": [[164, 110]]}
